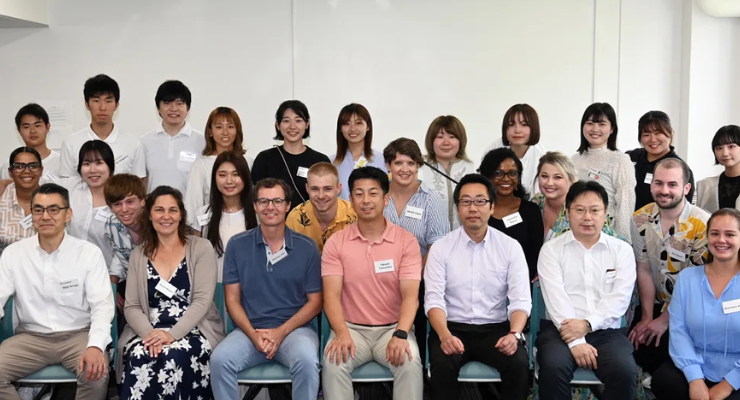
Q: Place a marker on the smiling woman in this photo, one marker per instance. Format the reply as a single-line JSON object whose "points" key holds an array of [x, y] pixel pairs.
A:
{"points": [[15, 203]]}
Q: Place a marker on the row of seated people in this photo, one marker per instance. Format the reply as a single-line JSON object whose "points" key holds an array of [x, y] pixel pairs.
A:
{"points": [[371, 271]]}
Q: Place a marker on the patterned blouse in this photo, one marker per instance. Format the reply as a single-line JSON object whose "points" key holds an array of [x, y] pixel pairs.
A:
{"points": [[14, 224], [562, 225]]}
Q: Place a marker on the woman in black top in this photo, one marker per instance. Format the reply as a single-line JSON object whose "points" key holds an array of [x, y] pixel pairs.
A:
{"points": [[655, 134], [291, 161], [723, 191], [513, 213]]}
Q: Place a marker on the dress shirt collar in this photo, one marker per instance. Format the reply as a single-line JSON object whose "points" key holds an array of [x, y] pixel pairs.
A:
{"points": [[287, 237], [62, 246], [466, 240], [570, 237], [186, 130], [389, 234], [110, 139]]}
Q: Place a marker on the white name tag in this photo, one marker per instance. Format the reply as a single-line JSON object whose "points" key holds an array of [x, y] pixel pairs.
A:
{"points": [[102, 215], [384, 266], [69, 285], [611, 276], [275, 258], [678, 255], [166, 288], [361, 162], [26, 222], [414, 212], [594, 173], [512, 219], [731, 306], [648, 178], [302, 172], [188, 157], [204, 219]]}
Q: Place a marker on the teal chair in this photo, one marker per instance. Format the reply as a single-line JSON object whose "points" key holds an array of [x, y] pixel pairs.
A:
{"points": [[472, 371], [52, 374]]}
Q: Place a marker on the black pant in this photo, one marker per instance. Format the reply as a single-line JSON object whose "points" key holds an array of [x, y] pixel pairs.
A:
{"points": [[649, 357], [616, 366], [669, 383], [479, 342], [420, 327]]}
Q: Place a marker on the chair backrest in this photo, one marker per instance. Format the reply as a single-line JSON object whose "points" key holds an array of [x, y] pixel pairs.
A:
{"points": [[219, 300], [114, 325]]}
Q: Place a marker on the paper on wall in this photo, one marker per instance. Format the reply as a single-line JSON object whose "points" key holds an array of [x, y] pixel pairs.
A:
{"points": [[60, 118]]}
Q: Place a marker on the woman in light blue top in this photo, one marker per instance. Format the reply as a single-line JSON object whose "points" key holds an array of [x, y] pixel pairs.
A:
{"points": [[705, 321], [354, 144]]}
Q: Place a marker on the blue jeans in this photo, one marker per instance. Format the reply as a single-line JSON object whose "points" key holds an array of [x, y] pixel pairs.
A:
{"points": [[298, 352]]}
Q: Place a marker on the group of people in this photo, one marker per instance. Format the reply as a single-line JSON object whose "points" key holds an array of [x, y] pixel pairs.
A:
{"points": [[383, 242]]}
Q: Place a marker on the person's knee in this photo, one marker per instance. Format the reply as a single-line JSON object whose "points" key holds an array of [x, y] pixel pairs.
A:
{"points": [[305, 360], [220, 361], [519, 362]]}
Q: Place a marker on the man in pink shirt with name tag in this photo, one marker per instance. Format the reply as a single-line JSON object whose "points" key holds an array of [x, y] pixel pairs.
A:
{"points": [[371, 272]]}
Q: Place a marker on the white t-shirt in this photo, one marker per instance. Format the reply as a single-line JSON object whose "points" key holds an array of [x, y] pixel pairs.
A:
{"points": [[50, 163], [170, 158], [230, 225], [529, 162], [127, 150]]}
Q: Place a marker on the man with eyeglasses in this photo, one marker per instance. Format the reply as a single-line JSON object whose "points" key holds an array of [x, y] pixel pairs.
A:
{"points": [[469, 275], [667, 236], [63, 299], [587, 279], [272, 280]]}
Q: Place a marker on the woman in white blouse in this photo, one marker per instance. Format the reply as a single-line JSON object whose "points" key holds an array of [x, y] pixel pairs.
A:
{"points": [[223, 133], [520, 131], [446, 162], [599, 160], [229, 210], [25, 169]]}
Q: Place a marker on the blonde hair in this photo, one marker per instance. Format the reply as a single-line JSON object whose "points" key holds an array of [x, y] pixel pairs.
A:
{"points": [[323, 168], [562, 162]]}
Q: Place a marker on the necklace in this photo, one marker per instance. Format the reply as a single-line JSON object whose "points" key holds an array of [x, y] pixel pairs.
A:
{"points": [[716, 275]]}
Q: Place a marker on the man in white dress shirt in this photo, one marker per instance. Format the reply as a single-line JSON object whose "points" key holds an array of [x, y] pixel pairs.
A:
{"points": [[172, 148], [587, 279], [101, 99], [63, 299], [469, 274]]}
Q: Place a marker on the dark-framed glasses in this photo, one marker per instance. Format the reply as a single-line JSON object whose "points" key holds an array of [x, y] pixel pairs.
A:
{"points": [[52, 210], [19, 167], [263, 202]]}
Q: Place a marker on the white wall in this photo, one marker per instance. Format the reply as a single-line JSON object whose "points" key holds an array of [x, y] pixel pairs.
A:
{"points": [[407, 61], [23, 13]]}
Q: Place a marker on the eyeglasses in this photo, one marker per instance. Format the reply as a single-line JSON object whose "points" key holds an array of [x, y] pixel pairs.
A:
{"points": [[477, 202], [583, 210], [263, 202], [52, 210], [499, 174], [19, 167]]}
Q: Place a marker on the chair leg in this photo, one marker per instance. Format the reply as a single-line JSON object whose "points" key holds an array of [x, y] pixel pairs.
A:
{"points": [[252, 392], [280, 392], [44, 390]]}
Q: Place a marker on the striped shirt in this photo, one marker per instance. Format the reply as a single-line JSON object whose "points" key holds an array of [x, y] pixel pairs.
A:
{"points": [[424, 216]]}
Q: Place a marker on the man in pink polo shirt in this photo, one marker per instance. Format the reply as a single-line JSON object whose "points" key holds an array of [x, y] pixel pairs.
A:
{"points": [[371, 272]]}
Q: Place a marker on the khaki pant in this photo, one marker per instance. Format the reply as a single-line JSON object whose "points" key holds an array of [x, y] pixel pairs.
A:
{"points": [[27, 352], [370, 344]]}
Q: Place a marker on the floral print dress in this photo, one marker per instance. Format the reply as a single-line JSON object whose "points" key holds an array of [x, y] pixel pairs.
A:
{"points": [[182, 370]]}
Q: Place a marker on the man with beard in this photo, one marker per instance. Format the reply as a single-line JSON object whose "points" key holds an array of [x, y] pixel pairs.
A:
{"points": [[667, 236]]}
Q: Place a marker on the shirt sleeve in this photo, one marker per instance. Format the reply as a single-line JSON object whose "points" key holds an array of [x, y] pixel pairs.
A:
{"points": [[230, 269], [138, 163], [67, 161], [410, 265], [699, 250], [625, 183], [331, 263], [102, 306], [195, 192], [638, 243], [7, 283], [435, 279], [681, 346], [613, 305], [314, 283], [438, 223], [517, 281]]}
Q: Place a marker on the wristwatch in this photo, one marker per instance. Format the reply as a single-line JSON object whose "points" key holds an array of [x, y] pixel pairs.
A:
{"points": [[401, 334], [519, 337]]}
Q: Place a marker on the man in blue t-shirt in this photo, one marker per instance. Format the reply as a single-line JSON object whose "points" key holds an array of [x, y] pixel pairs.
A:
{"points": [[272, 280]]}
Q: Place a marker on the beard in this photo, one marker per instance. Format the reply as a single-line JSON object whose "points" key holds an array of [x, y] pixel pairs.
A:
{"points": [[674, 202]]}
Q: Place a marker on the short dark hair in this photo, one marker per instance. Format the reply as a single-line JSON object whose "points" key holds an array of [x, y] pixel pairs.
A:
{"points": [[582, 187], [31, 109], [494, 158], [269, 183], [21, 150], [299, 108], [404, 147], [100, 148], [475, 178], [530, 117], [52, 188], [369, 172], [599, 112], [728, 134], [99, 85], [173, 90], [654, 121], [669, 163]]}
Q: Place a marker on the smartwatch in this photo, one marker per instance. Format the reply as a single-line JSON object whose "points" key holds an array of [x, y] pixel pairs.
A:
{"points": [[401, 334]]}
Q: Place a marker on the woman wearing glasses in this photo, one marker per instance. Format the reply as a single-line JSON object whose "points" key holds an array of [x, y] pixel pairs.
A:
{"points": [[513, 213], [15, 204]]}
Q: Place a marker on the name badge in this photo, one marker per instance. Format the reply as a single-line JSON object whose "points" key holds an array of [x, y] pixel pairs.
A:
{"points": [[611, 276], [361, 162], [188, 157], [414, 212], [731, 306], [166, 288], [302, 172], [26, 222], [550, 235], [648, 178], [678, 255], [69, 285], [102, 215], [594, 173], [204, 219], [512, 219], [276, 257], [384, 266]]}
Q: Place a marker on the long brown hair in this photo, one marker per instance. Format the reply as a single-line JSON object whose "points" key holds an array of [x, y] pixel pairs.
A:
{"points": [[724, 212], [149, 236], [230, 115], [344, 115]]}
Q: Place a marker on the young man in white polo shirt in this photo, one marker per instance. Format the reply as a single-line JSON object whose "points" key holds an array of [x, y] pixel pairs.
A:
{"points": [[33, 125], [172, 148], [101, 99]]}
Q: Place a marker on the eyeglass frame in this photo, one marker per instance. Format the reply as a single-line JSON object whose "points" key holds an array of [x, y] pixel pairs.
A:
{"points": [[472, 202], [35, 210], [268, 201], [507, 174], [20, 167]]}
